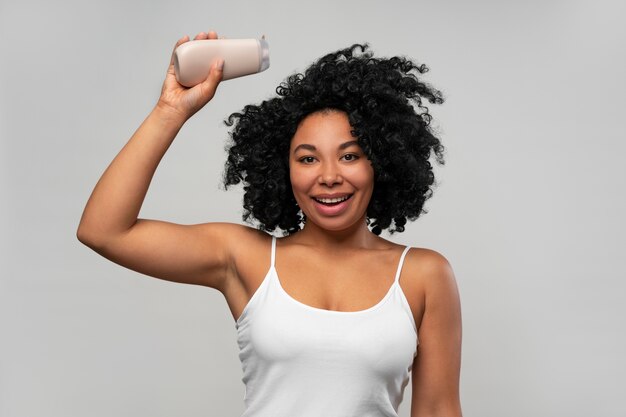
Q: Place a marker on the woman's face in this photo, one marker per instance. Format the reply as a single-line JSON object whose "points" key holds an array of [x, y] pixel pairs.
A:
{"points": [[327, 164]]}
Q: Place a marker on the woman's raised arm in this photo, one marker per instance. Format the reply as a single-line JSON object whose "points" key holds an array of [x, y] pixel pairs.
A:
{"points": [[196, 254]]}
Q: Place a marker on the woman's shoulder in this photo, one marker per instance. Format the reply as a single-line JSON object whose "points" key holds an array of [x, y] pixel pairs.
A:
{"points": [[427, 258], [240, 242], [428, 269], [235, 234]]}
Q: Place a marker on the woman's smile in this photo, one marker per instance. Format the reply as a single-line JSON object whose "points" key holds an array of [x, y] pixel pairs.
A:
{"points": [[332, 206], [331, 177]]}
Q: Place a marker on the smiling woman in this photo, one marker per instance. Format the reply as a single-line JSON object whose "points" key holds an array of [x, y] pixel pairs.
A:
{"points": [[332, 180], [381, 102], [353, 316]]}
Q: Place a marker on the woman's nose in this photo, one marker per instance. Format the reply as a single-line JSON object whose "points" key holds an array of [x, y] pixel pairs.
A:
{"points": [[330, 174]]}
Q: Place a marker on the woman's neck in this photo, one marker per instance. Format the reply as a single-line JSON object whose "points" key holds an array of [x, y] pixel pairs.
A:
{"points": [[357, 236]]}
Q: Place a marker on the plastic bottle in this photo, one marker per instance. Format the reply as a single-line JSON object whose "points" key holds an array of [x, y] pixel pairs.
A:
{"points": [[193, 59]]}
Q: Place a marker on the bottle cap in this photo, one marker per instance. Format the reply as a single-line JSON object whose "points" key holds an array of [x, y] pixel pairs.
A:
{"points": [[264, 54]]}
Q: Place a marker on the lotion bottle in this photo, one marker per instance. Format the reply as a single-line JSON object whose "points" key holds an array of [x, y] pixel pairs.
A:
{"points": [[193, 59]]}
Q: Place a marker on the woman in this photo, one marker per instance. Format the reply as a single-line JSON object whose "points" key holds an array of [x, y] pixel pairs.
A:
{"points": [[328, 316]]}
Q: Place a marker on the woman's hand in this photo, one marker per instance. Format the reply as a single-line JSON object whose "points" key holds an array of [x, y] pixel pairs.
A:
{"points": [[182, 102]]}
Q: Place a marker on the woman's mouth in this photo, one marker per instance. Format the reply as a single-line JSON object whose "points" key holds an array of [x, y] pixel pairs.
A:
{"points": [[332, 201], [332, 206]]}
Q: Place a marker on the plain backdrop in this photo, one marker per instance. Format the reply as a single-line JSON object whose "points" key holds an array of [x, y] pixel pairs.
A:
{"points": [[528, 208]]}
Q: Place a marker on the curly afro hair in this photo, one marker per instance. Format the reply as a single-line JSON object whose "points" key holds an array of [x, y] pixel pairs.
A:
{"points": [[383, 101]]}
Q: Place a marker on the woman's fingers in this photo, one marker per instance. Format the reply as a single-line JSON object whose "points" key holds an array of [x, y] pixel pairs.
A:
{"points": [[188, 101], [208, 35], [200, 36]]}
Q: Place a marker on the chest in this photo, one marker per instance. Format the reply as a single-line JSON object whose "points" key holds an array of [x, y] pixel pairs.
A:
{"points": [[347, 283], [350, 283]]}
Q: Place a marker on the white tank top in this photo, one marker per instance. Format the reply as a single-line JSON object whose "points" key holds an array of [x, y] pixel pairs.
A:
{"points": [[304, 361]]}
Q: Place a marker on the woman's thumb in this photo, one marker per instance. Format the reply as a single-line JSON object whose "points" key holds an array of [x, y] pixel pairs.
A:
{"points": [[214, 78], [219, 67], [215, 74]]}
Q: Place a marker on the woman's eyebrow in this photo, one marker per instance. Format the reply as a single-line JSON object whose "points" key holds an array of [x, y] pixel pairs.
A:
{"points": [[313, 148]]}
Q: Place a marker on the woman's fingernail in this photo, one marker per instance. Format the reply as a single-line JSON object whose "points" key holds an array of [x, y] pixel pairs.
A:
{"points": [[220, 64]]}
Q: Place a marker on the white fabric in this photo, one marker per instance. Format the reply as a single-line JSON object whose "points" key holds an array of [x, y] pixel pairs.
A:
{"points": [[303, 361]]}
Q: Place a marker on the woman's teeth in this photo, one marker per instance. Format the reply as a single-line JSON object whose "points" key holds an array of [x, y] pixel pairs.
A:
{"points": [[332, 200]]}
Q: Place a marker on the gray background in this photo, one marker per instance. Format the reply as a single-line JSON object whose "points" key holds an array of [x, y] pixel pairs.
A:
{"points": [[529, 207]]}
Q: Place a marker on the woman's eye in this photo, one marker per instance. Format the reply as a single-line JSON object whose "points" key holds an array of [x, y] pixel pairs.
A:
{"points": [[311, 159]]}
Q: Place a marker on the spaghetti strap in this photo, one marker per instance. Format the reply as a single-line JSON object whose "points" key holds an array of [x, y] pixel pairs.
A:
{"points": [[406, 249], [273, 258]]}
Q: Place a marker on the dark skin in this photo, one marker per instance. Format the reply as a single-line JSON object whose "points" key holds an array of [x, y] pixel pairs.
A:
{"points": [[334, 263]]}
